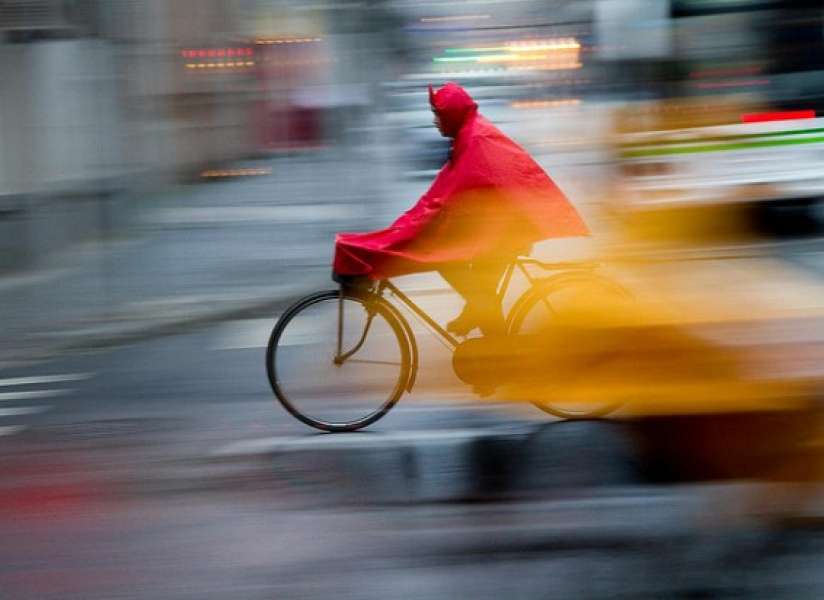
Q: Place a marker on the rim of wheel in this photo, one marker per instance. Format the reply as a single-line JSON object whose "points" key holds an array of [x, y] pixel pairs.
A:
{"points": [[382, 310]]}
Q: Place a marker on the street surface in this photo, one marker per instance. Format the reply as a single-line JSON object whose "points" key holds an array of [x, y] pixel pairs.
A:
{"points": [[117, 484], [113, 490]]}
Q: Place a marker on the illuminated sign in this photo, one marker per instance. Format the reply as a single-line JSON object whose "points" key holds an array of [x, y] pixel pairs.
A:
{"points": [[218, 58]]}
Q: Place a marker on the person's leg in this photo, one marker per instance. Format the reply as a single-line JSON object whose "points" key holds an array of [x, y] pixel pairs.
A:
{"points": [[460, 277], [484, 295], [477, 283]]}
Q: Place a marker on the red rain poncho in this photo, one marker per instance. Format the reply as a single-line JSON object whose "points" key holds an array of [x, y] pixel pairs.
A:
{"points": [[491, 198]]}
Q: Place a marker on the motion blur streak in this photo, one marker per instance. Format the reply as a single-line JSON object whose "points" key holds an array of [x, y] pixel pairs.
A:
{"points": [[172, 177]]}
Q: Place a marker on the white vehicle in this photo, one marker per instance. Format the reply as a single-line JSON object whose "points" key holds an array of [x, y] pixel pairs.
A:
{"points": [[777, 162]]}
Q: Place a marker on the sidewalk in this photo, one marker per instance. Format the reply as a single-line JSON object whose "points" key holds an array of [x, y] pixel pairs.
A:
{"points": [[197, 253]]}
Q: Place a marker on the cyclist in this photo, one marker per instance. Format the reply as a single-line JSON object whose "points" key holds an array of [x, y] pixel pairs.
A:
{"points": [[489, 203]]}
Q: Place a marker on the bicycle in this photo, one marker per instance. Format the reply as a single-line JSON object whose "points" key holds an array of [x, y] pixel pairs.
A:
{"points": [[336, 324]]}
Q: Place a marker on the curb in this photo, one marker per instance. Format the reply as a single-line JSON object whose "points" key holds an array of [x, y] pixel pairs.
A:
{"points": [[108, 336], [127, 331], [498, 463]]}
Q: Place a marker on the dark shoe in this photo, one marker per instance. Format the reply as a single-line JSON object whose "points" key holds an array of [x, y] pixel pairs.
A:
{"points": [[466, 322]]}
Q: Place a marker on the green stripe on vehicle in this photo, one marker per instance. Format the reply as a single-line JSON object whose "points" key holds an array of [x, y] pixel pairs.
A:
{"points": [[703, 148], [724, 138]]}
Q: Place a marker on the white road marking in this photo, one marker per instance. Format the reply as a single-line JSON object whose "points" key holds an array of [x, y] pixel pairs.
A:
{"points": [[367, 440], [45, 379], [18, 395], [249, 333], [23, 410], [287, 213], [475, 406], [9, 396], [254, 333], [11, 429]]}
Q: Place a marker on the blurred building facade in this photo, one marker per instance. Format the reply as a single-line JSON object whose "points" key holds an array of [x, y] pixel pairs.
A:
{"points": [[103, 101], [93, 104], [57, 102]]}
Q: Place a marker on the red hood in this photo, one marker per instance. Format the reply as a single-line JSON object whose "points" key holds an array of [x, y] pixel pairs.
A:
{"points": [[453, 105]]}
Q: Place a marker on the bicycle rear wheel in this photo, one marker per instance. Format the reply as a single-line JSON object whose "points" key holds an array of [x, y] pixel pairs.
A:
{"points": [[538, 312], [338, 389]]}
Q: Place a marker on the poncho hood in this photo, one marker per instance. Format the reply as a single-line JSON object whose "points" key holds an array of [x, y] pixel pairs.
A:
{"points": [[453, 105]]}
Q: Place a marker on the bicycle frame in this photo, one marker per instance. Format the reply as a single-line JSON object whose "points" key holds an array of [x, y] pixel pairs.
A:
{"points": [[419, 312], [470, 361], [450, 340]]}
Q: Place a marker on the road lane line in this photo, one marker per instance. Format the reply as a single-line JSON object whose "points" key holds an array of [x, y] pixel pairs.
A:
{"points": [[354, 440], [11, 429], [244, 334], [23, 410], [285, 213], [9, 396], [45, 379]]}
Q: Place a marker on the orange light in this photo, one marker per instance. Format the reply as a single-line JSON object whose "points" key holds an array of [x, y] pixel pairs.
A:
{"points": [[246, 172], [527, 104], [534, 45], [305, 40]]}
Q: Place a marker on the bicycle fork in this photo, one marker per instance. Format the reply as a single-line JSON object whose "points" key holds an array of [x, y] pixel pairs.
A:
{"points": [[341, 356]]}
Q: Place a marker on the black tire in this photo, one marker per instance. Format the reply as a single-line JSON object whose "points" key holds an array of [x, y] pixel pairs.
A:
{"points": [[352, 299], [543, 290]]}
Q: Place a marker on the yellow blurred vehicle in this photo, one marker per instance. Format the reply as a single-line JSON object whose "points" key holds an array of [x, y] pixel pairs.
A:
{"points": [[716, 358]]}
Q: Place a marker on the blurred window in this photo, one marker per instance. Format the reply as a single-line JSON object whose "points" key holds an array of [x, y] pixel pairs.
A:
{"points": [[797, 38], [693, 8], [31, 20]]}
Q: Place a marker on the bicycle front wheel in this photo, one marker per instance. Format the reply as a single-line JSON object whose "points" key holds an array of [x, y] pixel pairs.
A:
{"points": [[338, 363]]}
